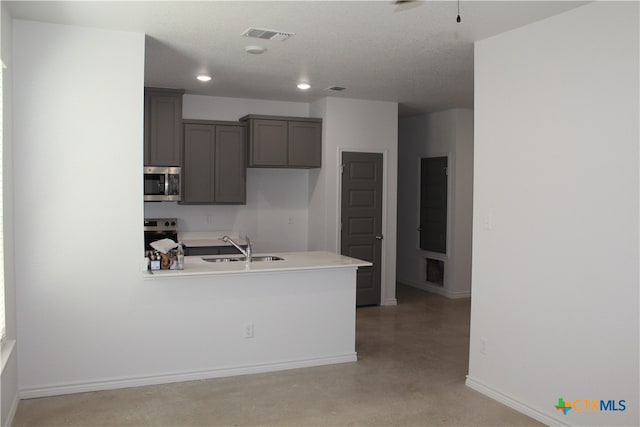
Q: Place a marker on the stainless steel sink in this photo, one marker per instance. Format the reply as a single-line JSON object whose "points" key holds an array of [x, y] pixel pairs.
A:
{"points": [[241, 258], [266, 258], [226, 259]]}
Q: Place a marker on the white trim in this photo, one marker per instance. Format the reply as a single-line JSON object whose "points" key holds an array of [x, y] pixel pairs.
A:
{"points": [[12, 411], [385, 195], [513, 403], [436, 289], [6, 349], [116, 383], [430, 254], [389, 301]]}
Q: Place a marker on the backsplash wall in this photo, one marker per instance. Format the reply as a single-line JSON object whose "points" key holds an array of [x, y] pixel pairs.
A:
{"points": [[275, 216], [277, 210]]}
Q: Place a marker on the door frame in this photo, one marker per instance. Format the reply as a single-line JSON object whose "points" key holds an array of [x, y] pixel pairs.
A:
{"points": [[383, 258]]}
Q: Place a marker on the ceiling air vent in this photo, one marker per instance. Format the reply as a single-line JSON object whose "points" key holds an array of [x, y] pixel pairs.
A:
{"points": [[336, 88], [261, 33]]}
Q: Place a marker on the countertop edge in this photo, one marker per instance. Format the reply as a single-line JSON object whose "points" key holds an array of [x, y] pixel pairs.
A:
{"points": [[172, 274], [327, 260]]}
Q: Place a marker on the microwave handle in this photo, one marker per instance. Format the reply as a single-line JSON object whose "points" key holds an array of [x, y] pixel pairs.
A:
{"points": [[166, 184]]}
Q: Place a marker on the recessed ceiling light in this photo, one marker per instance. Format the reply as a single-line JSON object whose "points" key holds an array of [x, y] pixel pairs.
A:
{"points": [[303, 86], [256, 50], [204, 78]]}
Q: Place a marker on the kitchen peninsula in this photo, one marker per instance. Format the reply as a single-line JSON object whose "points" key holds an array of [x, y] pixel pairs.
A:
{"points": [[262, 316], [228, 265]]}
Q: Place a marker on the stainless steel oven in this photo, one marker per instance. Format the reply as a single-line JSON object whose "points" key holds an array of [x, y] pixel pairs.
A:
{"points": [[162, 183], [158, 229]]}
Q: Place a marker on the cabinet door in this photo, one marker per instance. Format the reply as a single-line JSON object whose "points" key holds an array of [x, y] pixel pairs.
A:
{"points": [[305, 144], [230, 164], [163, 129], [197, 173], [268, 143]]}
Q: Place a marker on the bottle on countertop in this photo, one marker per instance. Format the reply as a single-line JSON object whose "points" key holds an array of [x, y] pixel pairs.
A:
{"points": [[154, 261], [180, 250]]}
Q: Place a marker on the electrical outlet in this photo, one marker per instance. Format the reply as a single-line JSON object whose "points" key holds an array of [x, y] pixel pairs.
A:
{"points": [[291, 219], [248, 330], [208, 219]]}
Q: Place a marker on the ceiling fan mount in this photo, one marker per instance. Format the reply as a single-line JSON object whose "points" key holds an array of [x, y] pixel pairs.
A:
{"points": [[402, 5]]}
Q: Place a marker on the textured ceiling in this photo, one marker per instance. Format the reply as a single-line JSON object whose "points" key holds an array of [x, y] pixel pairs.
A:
{"points": [[414, 54]]}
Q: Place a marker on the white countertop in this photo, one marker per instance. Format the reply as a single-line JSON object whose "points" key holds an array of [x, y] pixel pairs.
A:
{"points": [[292, 261]]}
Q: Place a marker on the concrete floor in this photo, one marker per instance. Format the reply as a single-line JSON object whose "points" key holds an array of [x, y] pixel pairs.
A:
{"points": [[412, 364]]}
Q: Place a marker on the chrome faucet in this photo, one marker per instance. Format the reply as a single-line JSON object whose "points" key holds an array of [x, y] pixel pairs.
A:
{"points": [[246, 253]]}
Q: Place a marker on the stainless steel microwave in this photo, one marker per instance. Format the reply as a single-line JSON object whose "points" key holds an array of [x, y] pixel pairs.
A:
{"points": [[161, 184]]}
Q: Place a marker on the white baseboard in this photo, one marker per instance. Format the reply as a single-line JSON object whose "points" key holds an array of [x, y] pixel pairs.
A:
{"points": [[390, 301], [54, 390], [12, 412], [425, 286], [9, 352], [512, 403]]}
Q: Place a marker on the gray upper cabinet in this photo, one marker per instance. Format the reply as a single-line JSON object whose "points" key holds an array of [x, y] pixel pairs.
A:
{"points": [[284, 142], [162, 127], [305, 144], [268, 143], [214, 170], [197, 174], [230, 168]]}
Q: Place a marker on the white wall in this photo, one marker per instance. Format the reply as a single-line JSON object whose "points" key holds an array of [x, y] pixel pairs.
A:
{"points": [[555, 237], [354, 125], [319, 210], [9, 378], [87, 319], [202, 107], [275, 216], [447, 133], [461, 233], [78, 123]]}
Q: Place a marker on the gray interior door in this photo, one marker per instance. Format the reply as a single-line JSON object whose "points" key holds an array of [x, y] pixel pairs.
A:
{"points": [[433, 204], [361, 216]]}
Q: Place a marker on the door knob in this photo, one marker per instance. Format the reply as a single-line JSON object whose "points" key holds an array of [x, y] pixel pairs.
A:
{"points": [[379, 237]]}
